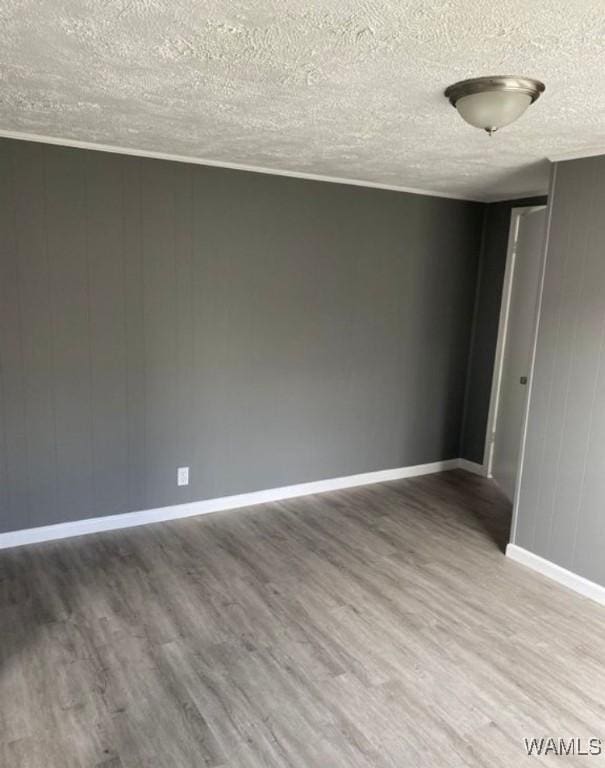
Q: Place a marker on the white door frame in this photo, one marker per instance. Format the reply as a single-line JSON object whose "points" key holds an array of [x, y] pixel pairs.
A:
{"points": [[509, 273]]}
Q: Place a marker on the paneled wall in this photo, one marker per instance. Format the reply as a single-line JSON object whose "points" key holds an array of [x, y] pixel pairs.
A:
{"points": [[561, 513], [492, 263], [261, 330]]}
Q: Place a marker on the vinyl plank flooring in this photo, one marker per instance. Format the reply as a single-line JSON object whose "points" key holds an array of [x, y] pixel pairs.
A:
{"points": [[378, 627]]}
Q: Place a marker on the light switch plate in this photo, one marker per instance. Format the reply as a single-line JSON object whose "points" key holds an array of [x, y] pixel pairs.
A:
{"points": [[182, 476]]}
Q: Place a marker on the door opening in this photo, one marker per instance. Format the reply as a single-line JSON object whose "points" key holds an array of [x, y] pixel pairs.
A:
{"points": [[512, 374]]}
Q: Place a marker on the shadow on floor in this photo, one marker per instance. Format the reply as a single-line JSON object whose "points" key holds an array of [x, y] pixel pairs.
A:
{"points": [[486, 505]]}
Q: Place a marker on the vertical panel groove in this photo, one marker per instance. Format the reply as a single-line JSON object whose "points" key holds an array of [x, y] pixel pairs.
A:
{"points": [[126, 367], [21, 331], [552, 380], [144, 334], [25, 496], [560, 509], [52, 326], [588, 442], [93, 468], [563, 413]]}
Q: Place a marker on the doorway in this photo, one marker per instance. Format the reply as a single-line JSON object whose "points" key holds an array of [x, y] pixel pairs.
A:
{"points": [[514, 351]]}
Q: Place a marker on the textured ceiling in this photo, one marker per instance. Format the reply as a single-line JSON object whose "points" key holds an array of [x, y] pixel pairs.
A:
{"points": [[346, 88]]}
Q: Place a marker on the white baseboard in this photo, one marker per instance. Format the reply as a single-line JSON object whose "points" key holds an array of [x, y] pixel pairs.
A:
{"points": [[132, 519], [471, 466], [547, 568]]}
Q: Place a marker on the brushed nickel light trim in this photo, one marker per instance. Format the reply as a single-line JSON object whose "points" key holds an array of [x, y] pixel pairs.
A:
{"points": [[494, 83], [526, 85]]}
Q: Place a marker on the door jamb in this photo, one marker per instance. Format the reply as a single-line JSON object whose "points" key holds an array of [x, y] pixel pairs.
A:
{"points": [[513, 234]]}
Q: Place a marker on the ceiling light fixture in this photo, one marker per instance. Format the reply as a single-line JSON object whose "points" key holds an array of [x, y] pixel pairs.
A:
{"points": [[493, 102]]}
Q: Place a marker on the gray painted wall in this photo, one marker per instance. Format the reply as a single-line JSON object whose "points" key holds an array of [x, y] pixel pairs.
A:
{"points": [[492, 264], [561, 513], [262, 330]]}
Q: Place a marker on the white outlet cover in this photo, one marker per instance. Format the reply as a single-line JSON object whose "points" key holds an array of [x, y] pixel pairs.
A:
{"points": [[182, 476]]}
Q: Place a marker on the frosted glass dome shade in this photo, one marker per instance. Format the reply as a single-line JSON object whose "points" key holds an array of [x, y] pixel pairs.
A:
{"points": [[495, 101], [491, 110]]}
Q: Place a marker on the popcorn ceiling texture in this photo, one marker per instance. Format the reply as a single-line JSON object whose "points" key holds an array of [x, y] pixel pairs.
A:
{"points": [[348, 88]]}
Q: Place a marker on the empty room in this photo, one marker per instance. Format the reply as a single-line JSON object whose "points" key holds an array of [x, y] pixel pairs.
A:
{"points": [[302, 384]]}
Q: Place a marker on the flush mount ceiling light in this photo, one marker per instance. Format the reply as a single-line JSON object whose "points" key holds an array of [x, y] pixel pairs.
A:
{"points": [[493, 102]]}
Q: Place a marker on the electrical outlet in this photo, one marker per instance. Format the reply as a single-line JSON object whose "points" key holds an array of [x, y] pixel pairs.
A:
{"points": [[182, 476]]}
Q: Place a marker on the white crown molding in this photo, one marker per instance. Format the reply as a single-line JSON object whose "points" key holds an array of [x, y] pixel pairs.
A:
{"points": [[553, 571], [143, 517], [576, 155], [518, 196], [63, 142]]}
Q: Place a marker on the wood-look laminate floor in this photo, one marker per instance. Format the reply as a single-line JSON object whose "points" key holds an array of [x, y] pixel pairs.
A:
{"points": [[380, 626]]}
